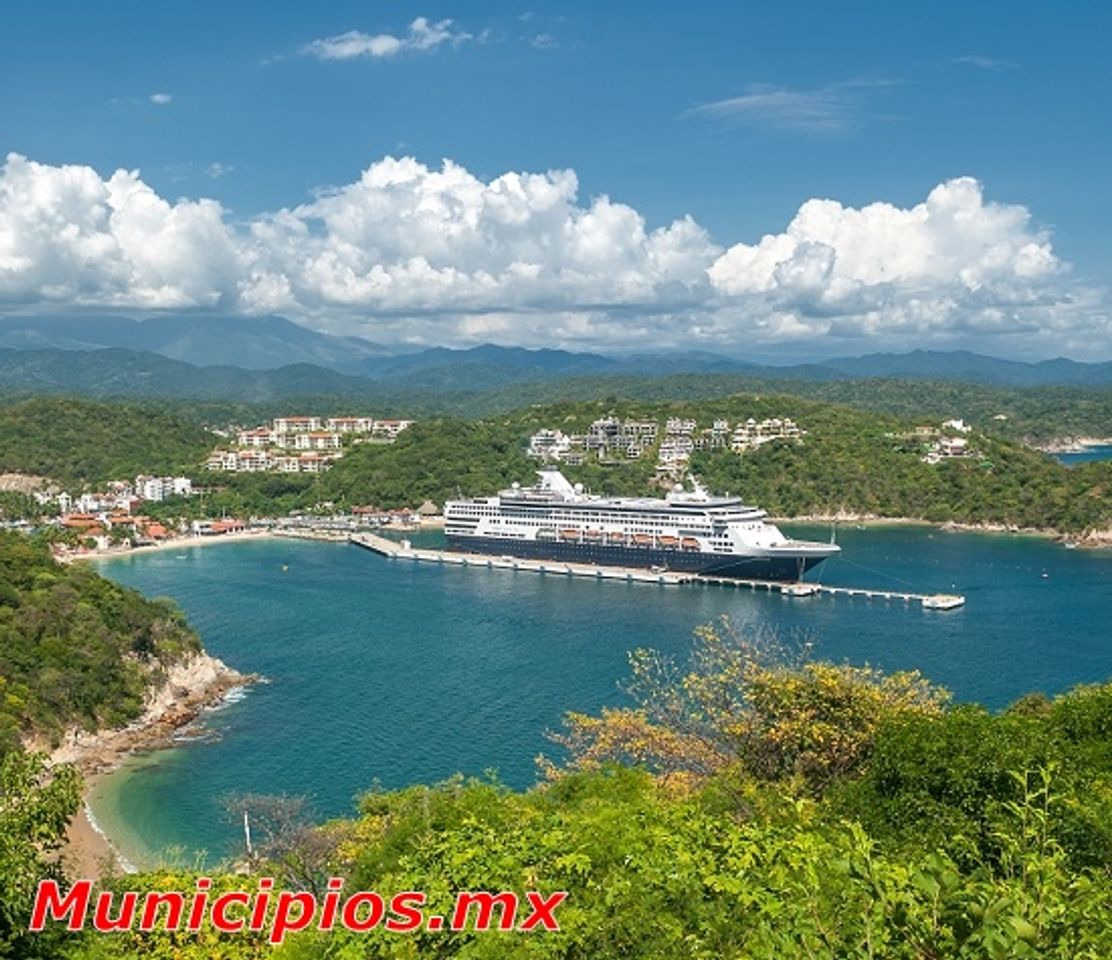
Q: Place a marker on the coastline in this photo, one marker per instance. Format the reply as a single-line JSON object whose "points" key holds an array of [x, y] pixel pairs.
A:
{"points": [[187, 690], [1095, 539], [204, 682], [262, 533], [1073, 444], [171, 544]]}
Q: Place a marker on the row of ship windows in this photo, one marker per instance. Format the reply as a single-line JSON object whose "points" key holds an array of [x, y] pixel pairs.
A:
{"points": [[580, 516], [640, 527], [572, 516]]}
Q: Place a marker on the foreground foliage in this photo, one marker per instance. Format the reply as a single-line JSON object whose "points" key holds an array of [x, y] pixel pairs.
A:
{"points": [[35, 806], [778, 808]]}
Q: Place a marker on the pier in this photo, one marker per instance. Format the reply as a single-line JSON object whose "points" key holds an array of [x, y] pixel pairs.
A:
{"points": [[403, 550]]}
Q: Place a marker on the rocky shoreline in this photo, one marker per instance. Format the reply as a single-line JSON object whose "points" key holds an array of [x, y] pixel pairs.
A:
{"points": [[186, 690], [1095, 539], [1072, 444]]}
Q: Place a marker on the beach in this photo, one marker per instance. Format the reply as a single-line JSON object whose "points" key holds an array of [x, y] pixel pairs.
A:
{"points": [[188, 689], [173, 543], [87, 852]]}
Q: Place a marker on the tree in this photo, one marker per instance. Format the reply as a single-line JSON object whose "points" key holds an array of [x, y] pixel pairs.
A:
{"points": [[286, 840], [37, 802], [746, 701]]}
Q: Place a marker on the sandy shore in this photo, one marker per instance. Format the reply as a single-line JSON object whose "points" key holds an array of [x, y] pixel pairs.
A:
{"points": [[183, 542], [177, 543], [186, 691], [88, 853]]}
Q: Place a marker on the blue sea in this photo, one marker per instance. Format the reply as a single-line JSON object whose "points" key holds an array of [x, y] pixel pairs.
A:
{"points": [[1099, 452], [391, 672]]}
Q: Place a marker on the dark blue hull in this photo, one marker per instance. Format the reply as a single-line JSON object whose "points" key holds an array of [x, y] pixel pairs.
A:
{"points": [[605, 555]]}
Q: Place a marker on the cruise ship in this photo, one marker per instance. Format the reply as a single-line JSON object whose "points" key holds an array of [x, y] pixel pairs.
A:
{"points": [[688, 530]]}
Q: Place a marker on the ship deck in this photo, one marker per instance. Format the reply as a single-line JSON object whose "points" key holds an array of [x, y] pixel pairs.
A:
{"points": [[403, 550]]}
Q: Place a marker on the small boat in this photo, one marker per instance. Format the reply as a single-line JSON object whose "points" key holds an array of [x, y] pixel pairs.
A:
{"points": [[689, 543], [592, 534], [546, 533], [668, 542], [569, 534], [617, 537], [642, 540]]}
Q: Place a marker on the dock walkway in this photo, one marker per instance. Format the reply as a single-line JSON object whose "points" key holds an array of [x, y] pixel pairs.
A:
{"points": [[402, 550]]}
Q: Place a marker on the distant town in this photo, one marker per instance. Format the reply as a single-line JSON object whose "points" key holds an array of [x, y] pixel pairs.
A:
{"points": [[609, 440], [300, 444], [114, 518]]}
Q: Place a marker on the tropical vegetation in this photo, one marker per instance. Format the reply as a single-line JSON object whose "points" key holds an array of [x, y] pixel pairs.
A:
{"points": [[75, 649], [750, 803]]}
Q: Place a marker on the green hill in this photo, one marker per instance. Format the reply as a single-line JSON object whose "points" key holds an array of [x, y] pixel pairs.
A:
{"points": [[849, 460], [75, 648], [85, 441]]}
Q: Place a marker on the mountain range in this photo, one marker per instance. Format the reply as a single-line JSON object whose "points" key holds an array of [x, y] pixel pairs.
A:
{"points": [[199, 355]]}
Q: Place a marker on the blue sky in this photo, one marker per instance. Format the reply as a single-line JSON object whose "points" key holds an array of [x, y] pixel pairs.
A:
{"points": [[731, 114]]}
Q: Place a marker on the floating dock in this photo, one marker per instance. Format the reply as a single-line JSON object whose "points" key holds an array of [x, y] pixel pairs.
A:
{"points": [[403, 550]]}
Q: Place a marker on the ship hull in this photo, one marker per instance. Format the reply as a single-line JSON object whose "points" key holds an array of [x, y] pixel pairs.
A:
{"points": [[737, 567]]}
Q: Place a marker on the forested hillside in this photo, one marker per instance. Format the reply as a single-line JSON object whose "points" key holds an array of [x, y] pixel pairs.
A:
{"points": [[850, 460], [82, 441], [1033, 413], [847, 461], [75, 648]]}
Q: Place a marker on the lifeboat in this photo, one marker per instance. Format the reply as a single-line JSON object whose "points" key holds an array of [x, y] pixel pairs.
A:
{"points": [[617, 537], [668, 542], [592, 534], [569, 534], [546, 533], [642, 540], [689, 543]]}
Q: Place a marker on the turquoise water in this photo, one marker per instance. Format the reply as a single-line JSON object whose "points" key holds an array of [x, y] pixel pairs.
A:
{"points": [[397, 672], [1102, 452]]}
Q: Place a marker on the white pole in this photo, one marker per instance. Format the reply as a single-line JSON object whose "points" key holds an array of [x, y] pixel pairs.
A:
{"points": [[247, 834]]}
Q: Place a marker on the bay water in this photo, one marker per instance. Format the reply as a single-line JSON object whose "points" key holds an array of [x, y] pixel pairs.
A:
{"points": [[393, 673], [1101, 451]]}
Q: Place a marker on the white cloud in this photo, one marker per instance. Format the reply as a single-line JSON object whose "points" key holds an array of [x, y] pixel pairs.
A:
{"points": [[161, 99], [418, 254], [422, 35], [69, 237], [987, 63], [830, 109]]}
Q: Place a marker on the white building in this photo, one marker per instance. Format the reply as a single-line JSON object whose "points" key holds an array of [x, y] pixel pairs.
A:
{"points": [[390, 428], [549, 445], [296, 424], [259, 437], [317, 440], [751, 434], [956, 424], [159, 488], [350, 424]]}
